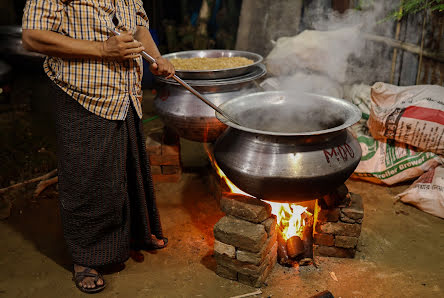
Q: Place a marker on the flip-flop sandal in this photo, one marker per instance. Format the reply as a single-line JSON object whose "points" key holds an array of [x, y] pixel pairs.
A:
{"points": [[78, 277], [154, 245]]}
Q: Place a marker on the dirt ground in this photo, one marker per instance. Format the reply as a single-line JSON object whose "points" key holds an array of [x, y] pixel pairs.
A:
{"points": [[400, 251]]}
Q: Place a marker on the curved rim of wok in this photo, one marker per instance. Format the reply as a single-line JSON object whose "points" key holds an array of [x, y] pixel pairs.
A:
{"points": [[353, 112]]}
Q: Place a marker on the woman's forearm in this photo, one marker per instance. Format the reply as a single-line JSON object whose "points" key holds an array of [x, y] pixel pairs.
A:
{"points": [[54, 44], [144, 36]]}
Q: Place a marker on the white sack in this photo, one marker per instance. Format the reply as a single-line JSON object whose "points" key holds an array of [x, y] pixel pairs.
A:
{"points": [[427, 193], [413, 115], [390, 162]]}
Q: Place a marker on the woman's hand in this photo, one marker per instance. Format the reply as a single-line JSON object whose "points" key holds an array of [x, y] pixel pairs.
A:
{"points": [[162, 67], [121, 47]]}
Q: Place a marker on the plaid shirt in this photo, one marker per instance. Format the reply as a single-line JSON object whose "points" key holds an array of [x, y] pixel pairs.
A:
{"points": [[103, 87]]}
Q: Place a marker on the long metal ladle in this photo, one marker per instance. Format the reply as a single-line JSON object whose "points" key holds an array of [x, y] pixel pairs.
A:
{"points": [[151, 60]]}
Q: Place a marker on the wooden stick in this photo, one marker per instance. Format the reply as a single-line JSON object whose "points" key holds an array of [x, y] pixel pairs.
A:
{"points": [[395, 50], [44, 177], [418, 73], [258, 292], [44, 184], [409, 47]]}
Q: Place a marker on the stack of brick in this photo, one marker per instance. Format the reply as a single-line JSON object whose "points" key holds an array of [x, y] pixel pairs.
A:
{"points": [[163, 149], [245, 246], [338, 226]]}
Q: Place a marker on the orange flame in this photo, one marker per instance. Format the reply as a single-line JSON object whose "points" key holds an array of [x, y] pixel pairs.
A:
{"points": [[233, 188], [289, 215], [289, 218]]}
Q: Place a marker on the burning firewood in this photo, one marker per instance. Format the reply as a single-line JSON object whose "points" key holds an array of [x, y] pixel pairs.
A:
{"points": [[307, 236], [283, 258], [295, 246]]}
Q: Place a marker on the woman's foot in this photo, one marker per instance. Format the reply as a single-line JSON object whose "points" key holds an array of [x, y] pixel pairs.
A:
{"points": [[88, 279], [157, 242]]}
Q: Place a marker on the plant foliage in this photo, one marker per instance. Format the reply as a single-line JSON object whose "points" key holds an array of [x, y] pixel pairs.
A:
{"points": [[407, 7]]}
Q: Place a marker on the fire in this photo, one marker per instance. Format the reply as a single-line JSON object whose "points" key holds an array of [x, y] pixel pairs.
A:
{"points": [[233, 188], [291, 218], [290, 221]]}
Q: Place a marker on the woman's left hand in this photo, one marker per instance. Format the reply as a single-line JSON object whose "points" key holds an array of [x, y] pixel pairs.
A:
{"points": [[162, 67]]}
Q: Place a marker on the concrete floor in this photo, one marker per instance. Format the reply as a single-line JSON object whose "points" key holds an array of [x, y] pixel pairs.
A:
{"points": [[401, 252]]}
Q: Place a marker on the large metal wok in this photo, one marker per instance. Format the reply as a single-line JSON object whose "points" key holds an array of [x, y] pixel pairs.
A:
{"points": [[293, 147]]}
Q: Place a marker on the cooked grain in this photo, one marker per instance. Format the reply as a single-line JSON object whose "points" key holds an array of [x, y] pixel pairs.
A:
{"points": [[210, 63]]}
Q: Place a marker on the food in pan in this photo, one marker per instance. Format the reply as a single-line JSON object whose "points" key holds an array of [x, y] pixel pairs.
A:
{"points": [[210, 63]]}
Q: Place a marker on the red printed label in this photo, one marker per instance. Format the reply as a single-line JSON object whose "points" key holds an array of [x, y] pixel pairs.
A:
{"points": [[340, 153]]}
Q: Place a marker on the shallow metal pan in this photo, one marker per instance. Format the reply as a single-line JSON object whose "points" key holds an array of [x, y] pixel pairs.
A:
{"points": [[216, 73]]}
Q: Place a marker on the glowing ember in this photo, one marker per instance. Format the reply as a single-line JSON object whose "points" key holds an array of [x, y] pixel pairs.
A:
{"points": [[290, 220]]}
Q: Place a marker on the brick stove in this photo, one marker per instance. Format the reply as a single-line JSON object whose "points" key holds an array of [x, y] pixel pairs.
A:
{"points": [[247, 244], [163, 149]]}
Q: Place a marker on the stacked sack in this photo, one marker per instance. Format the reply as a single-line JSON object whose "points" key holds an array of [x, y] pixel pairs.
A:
{"points": [[404, 138]]}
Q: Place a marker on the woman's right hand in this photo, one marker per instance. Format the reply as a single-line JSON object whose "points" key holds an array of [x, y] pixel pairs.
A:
{"points": [[121, 47]]}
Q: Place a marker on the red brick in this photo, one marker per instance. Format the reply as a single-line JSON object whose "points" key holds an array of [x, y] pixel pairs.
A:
{"points": [[259, 257], [337, 252], [164, 160], [331, 215], [154, 144], [346, 241], [240, 233], [169, 170], [156, 170], [167, 178], [247, 268], [170, 149], [356, 209], [259, 281], [245, 207], [324, 239], [339, 228], [226, 272]]}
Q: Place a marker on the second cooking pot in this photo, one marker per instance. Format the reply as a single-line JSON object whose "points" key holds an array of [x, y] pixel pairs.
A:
{"points": [[188, 116]]}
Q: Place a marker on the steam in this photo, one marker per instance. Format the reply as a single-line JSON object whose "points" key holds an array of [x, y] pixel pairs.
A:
{"points": [[324, 59], [332, 52], [287, 112]]}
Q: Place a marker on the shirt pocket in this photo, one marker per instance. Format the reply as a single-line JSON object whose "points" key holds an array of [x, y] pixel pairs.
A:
{"points": [[88, 19]]}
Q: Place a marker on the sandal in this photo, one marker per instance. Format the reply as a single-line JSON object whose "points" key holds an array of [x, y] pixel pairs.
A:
{"points": [[78, 277], [153, 244]]}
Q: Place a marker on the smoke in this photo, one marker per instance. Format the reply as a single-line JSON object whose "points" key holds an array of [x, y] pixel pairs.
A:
{"points": [[332, 51], [328, 55]]}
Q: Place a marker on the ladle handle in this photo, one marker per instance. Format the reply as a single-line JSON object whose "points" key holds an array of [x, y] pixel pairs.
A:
{"points": [[151, 60]]}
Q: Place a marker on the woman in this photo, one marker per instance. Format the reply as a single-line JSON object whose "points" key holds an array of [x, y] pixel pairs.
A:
{"points": [[107, 202]]}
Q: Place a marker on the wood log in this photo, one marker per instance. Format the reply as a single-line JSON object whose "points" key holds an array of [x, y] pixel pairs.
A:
{"points": [[282, 254], [307, 236], [295, 246]]}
